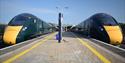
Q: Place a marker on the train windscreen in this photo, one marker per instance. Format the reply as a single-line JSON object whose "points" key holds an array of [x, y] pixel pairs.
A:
{"points": [[20, 20], [108, 21]]}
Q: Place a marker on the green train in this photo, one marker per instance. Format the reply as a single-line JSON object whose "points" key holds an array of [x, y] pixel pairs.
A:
{"points": [[101, 26], [25, 26]]}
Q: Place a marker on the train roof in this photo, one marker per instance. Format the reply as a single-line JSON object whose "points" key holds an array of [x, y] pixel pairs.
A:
{"points": [[25, 14], [98, 16], [101, 15], [28, 15]]}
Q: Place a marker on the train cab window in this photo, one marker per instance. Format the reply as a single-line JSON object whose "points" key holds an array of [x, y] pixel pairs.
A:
{"points": [[110, 22], [107, 21], [20, 20]]}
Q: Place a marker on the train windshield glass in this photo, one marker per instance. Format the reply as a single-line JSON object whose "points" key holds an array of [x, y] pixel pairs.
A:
{"points": [[108, 21], [20, 20]]}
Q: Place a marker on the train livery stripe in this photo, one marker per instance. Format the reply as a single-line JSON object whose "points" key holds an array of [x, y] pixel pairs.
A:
{"points": [[11, 33], [101, 57], [114, 33], [27, 50]]}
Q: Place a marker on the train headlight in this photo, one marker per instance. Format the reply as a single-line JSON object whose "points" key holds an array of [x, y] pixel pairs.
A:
{"points": [[24, 28], [101, 28]]}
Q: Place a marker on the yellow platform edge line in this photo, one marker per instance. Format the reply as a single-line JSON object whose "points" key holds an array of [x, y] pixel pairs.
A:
{"points": [[27, 50], [101, 57]]}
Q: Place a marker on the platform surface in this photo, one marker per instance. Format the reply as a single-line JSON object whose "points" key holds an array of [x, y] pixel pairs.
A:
{"points": [[70, 50]]}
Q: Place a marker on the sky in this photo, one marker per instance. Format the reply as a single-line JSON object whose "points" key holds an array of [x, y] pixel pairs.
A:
{"points": [[77, 11]]}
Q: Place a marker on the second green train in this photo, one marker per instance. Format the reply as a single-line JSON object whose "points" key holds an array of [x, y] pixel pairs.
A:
{"points": [[23, 27]]}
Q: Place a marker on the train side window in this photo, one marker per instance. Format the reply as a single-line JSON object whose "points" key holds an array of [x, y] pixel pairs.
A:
{"points": [[40, 26], [91, 22], [29, 17], [34, 21], [85, 25]]}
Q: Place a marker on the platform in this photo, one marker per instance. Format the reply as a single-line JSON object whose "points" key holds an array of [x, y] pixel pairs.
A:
{"points": [[72, 49]]}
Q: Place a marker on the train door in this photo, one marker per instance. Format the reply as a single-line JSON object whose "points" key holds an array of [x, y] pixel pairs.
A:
{"points": [[32, 26], [89, 27], [42, 27]]}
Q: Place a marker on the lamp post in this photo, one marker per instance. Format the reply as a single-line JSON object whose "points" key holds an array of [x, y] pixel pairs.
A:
{"points": [[60, 27], [60, 19]]}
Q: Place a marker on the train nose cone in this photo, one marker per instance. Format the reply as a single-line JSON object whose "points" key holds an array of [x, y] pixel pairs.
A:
{"points": [[11, 33], [115, 34]]}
